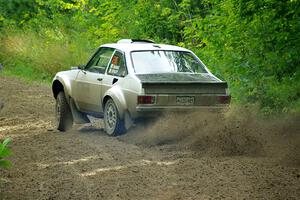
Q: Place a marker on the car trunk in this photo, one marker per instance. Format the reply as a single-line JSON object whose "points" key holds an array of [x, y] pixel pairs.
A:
{"points": [[181, 83], [173, 89]]}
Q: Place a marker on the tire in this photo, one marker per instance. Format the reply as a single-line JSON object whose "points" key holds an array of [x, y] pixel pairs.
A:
{"points": [[63, 114], [114, 125]]}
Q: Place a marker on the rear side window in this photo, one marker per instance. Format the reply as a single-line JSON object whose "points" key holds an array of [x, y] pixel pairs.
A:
{"points": [[117, 66]]}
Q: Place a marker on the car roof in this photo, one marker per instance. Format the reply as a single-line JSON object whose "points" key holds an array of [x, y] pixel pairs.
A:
{"points": [[140, 46]]}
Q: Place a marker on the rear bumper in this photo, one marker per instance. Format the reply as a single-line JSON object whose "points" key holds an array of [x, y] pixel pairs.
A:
{"points": [[172, 103], [154, 110]]}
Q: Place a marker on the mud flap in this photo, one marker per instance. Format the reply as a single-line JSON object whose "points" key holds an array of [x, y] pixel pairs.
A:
{"points": [[1, 105], [128, 120], [78, 117]]}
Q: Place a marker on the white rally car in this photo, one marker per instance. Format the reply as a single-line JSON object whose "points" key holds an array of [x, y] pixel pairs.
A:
{"points": [[131, 79]]}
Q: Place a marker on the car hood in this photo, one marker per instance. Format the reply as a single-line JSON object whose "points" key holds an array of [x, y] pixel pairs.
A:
{"points": [[177, 77]]}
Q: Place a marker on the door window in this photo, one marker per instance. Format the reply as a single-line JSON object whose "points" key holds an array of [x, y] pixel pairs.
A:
{"points": [[100, 60], [117, 66]]}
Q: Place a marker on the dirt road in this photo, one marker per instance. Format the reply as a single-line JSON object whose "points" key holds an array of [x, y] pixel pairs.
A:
{"points": [[195, 156]]}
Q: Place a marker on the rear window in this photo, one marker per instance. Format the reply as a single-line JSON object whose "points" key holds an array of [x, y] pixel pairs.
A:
{"points": [[162, 61]]}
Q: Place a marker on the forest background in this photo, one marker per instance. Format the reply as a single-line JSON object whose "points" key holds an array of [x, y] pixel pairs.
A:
{"points": [[252, 44]]}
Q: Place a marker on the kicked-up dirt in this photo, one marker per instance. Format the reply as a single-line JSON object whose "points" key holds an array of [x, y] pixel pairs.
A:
{"points": [[235, 155]]}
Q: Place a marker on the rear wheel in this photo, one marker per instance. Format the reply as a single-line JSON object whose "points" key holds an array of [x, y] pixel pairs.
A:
{"points": [[114, 125], [64, 118]]}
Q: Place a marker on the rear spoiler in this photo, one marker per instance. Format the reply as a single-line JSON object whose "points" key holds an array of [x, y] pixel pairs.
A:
{"points": [[170, 87], [192, 83]]}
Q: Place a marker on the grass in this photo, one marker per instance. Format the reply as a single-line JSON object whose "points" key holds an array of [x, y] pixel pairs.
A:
{"points": [[39, 56], [26, 73]]}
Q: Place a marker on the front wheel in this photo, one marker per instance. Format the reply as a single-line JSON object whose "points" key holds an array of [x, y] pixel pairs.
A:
{"points": [[114, 125], [64, 118]]}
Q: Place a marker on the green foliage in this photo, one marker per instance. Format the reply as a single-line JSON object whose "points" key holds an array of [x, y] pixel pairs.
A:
{"points": [[4, 153], [26, 53], [253, 44]]}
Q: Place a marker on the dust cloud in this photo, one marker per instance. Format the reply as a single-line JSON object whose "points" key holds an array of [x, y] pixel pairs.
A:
{"points": [[239, 131]]}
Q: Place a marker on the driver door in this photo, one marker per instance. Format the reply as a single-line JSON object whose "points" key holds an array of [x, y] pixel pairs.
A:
{"points": [[88, 84]]}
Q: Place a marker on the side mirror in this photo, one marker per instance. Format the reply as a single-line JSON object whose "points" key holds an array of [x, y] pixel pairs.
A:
{"points": [[82, 66], [77, 67], [74, 67]]}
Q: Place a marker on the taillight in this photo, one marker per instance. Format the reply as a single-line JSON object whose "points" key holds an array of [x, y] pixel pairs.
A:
{"points": [[146, 99], [225, 99]]}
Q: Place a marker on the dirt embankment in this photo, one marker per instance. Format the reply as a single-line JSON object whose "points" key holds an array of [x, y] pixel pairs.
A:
{"points": [[237, 155]]}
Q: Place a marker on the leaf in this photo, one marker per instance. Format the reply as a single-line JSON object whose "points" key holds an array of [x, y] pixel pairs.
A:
{"points": [[5, 163], [6, 141], [5, 153]]}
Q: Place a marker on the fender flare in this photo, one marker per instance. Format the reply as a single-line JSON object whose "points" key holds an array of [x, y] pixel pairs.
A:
{"points": [[117, 96], [66, 87]]}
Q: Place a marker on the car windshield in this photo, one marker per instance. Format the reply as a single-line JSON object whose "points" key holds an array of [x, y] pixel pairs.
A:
{"points": [[162, 61]]}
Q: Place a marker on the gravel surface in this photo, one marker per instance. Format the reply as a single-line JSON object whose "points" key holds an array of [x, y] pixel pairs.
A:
{"points": [[235, 155]]}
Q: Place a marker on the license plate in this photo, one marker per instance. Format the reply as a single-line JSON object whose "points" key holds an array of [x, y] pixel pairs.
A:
{"points": [[185, 100]]}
